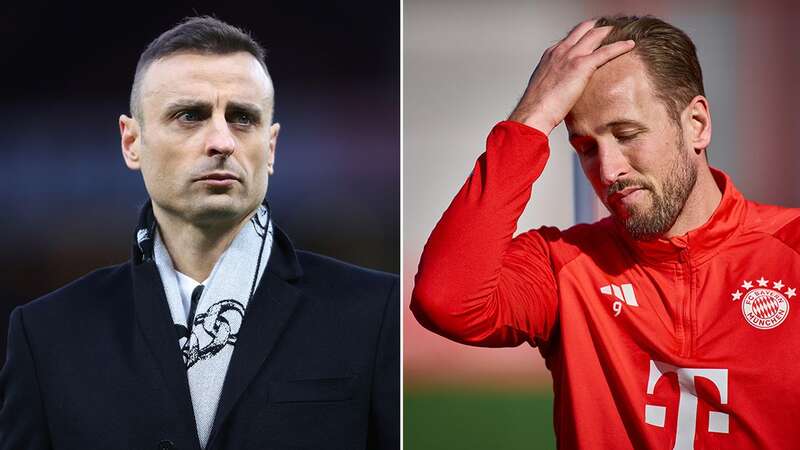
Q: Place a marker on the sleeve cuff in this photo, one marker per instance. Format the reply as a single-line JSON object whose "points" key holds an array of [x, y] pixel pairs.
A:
{"points": [[520, 128]]}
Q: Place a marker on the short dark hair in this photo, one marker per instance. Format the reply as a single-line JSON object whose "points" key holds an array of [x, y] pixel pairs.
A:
{"points": [[668, 54], [204, 35]]}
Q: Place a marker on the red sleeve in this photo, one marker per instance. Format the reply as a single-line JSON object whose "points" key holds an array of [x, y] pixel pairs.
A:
{"points": [[475, 284]]}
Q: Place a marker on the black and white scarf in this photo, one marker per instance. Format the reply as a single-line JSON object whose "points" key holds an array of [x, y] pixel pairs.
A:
{"points": [[208, 344]]}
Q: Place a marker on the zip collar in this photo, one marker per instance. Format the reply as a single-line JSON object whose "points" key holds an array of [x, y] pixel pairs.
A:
{"points": [[702, 243]]}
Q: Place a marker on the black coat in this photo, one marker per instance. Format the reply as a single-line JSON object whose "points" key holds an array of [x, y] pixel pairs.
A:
{"points": [[96, 364]]}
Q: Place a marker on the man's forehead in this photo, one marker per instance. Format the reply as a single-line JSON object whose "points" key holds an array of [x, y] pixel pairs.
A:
{"points": [[617, 91], [236, 76]]}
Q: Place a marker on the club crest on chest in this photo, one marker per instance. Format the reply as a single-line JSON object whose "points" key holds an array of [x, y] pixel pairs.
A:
{"points": [[765, 303]]}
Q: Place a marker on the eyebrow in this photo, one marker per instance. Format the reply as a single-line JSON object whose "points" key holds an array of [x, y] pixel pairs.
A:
{"points": [[624, 122], [613, 124], [186, 104], [180, 104], [249, 108]]}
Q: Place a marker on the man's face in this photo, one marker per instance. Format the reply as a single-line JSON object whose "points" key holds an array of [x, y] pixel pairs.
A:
{"points": [[205, 143], [631, 150]]}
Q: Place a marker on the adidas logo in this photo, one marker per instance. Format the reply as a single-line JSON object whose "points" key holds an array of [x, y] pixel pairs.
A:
{"points": [[624, 293]]}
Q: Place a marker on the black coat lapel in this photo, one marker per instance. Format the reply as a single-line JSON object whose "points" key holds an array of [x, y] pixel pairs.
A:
{"points": [[156, 324], [155, 320], [267, 315]]}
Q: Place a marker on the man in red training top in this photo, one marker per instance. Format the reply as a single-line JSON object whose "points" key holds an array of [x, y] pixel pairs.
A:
{"points": [[668, 325]]}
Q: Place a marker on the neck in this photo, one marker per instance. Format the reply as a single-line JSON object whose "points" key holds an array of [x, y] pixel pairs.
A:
{"points": [[193, 248], [699, 206]]}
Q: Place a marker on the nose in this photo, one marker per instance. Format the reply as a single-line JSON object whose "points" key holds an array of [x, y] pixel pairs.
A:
{"points": [[612, 162], [219, 140]]}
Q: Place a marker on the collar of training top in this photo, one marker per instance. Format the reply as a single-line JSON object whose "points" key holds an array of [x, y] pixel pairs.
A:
{"points": [[282, 262], [702, 243]]}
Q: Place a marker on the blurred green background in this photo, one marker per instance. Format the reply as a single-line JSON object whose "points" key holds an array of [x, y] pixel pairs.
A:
{"points": [[477, 418]]}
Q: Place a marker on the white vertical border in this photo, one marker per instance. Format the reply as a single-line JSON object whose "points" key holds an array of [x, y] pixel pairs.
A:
{"points": [[402, 282]]}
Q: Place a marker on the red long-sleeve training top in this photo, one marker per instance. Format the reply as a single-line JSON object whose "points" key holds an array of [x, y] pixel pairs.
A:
{"points": [[691, 342]]}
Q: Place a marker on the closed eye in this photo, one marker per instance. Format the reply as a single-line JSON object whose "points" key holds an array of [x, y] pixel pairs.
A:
{"points": [[626, 137]]}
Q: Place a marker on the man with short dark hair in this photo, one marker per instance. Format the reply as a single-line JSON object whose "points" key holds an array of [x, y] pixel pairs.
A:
{"points": [[665, 326], [217, 334]]}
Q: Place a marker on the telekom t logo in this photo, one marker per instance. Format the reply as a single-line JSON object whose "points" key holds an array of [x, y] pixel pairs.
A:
{"points": [[687, 403]]}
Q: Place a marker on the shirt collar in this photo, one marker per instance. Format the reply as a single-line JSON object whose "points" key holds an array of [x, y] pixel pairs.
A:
{"points": [[702, 243]]}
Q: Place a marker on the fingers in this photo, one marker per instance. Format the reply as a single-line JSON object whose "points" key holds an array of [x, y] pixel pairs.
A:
{"points": [[590, 41], [577, 33], [608, 52], [588, 46], [563, 73]]}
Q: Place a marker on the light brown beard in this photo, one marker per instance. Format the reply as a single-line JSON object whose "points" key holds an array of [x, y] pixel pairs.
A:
{"points": [[650, 223]]}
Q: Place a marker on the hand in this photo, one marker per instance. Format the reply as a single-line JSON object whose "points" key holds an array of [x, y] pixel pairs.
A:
{"points": [[562, 75]]}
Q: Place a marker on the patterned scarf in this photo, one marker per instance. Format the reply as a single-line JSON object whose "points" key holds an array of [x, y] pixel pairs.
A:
{"points": [[207, 347]]}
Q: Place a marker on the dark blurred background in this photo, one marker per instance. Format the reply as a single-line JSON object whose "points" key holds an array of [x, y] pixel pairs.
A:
{"points": [[69, 204]]}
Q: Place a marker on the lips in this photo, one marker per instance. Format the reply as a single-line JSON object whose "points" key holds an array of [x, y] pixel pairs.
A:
{"points": [[218, 176], [218, 180], [619, 195]]}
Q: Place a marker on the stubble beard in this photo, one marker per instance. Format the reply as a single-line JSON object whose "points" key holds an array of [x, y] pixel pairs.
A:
{"points": [[647, 223]]}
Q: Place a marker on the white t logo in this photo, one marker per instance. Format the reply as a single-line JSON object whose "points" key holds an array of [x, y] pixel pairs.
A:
{"points": [[687, 403]]}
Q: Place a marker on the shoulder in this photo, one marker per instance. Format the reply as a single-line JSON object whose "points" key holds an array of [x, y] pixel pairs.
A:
{"points": [[87, 294], [564, 246], [585, 235], [326, 272], [359, 297], [779, 222]]}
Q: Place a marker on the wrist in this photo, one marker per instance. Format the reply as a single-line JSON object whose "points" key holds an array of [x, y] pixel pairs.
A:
{"points": [[535, 121], [530, 112]]}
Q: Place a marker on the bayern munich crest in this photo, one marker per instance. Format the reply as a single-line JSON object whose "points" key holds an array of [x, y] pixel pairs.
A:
{"points": [[765, 305]]}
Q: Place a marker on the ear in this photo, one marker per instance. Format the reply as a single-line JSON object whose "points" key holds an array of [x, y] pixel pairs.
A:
{"points": [[273, 142], [697, 118], [129, 131]]}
